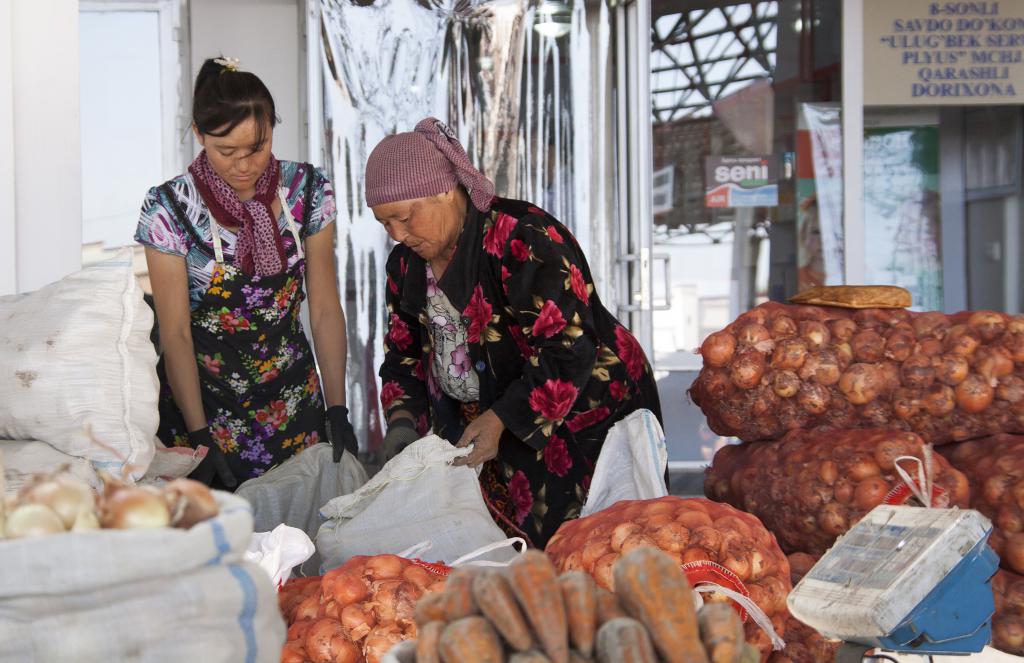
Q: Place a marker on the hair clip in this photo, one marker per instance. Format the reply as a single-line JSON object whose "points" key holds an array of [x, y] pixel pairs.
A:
{"points": [[230, 64]]}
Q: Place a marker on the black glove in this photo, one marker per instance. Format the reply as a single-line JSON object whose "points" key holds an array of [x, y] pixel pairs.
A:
{"points": [[215, 465], [401, 433], [340, 433]]}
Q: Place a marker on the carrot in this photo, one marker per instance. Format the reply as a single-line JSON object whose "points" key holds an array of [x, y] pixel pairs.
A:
{"points": [[580, 596], [458, 595], [624, 640], [493, 595], [653, 589], [532, 656], [470, 639], [535, 585], [430, 608], [608, 607], [428, 641], [721, 631]]}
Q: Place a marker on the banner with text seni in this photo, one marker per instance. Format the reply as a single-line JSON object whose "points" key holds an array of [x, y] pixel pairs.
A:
{"points": [[748, 181], [919, 52]]}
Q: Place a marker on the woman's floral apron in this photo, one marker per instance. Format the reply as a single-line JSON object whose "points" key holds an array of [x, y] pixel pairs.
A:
{"points": [[258, 379]]}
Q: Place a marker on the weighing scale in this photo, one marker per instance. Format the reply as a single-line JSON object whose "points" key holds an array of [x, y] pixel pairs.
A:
{"points": [[904, 579]]}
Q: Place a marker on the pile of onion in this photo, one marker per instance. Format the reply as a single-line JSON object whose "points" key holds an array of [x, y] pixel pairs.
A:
{"points": [[356, 612], [814, 485], [994, 467], [61, 502], [1008, 623], [945, 377]]}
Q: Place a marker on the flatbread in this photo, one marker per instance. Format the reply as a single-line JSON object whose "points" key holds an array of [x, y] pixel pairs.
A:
{"points": [[855, 296]]}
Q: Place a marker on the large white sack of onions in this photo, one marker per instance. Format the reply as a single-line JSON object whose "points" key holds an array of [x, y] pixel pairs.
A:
{"points": [[783, 367], [814, 485], [158, 593], [714, 543], [358, 611], [994, 467], [418, 496]]}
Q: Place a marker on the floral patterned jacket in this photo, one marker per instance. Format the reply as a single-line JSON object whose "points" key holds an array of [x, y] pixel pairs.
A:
{"points": [[551, 359]]}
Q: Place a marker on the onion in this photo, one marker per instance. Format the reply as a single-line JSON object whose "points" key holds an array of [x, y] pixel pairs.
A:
{"points": [[821, 366], [843, 329], [844, 353], [843, 491], [708, 538], [718, 348], [899, 345], [595, 549], [860, 383], [715, 382], [32, 520], [930, 347], [747, 369], [327, 642], [889, 449], [672, 537], [870, 493], [932, 323], [1011, 389], [815, 333], [85, 521], [755, 337], [1013, 552], [939, 400], [191, 502], [786, 384], [622, 532], [917, 372], [905, 404], [344, 587], [418, 576], [66, 495], [693, 519], [868, 346], [695, 554], [1009, 520], [862, 467], [789, 354], [379, 642], [636, 541], [783, 326], [814, 398], [134, 508], [832, 519], [953, 369], [828, 472], [1014, 344], [961, 342], [993, 362], [380, 567], [602, 572], [1008, 632], [988, 325], [974, 394], [995, 488]]}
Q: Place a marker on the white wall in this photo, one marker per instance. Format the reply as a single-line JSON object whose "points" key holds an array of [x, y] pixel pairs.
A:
{"points": [[8, 237], [40, 137], [265, 36]]}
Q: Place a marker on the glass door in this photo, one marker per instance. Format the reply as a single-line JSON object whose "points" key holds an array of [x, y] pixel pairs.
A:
{"points": [[709, 96]]}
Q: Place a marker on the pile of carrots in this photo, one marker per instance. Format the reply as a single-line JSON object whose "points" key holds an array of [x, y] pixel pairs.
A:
{"points": [[527, 613]]}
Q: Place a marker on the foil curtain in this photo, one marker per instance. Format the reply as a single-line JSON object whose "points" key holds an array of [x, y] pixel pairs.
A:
{"points": [[532, 111]]}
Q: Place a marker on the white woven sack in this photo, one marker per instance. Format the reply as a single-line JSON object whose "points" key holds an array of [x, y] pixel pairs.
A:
{"points": [[417, 496], [293, 492], [75, 357], [165, 595], [631, 465], [21, 460]]}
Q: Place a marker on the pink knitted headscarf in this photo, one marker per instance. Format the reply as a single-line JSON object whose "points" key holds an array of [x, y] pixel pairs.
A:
{"points": [[424, 162]]}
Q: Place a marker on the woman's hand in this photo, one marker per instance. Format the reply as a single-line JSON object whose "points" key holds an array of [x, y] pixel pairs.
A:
{"points": [[483, 433]]}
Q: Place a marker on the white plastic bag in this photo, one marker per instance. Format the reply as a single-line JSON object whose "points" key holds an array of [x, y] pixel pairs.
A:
{"points": [[78, 369], [631, 465], [417, 496], [279, 551], [157, 595]]}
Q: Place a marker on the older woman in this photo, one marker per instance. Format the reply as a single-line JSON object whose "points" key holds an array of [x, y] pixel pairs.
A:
{"points": [[496, 337]]}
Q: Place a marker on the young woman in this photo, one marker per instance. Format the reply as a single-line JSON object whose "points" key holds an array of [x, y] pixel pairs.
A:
{"points": [[230, 245]]}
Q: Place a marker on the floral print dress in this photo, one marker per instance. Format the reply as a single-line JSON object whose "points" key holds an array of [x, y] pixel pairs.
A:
{"points": [[555, 366], [258, 380]]}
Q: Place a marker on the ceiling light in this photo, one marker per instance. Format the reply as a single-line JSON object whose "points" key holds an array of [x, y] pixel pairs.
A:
{"points": [[554, 19]]}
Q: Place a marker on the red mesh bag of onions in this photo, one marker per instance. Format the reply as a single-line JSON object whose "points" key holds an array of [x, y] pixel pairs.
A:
{"points": [[714, 543], [783, 367], [1008, 623], [357, 611], [804, 645], [813, 485], [994, 467]]}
